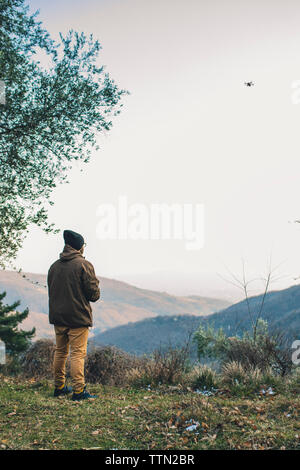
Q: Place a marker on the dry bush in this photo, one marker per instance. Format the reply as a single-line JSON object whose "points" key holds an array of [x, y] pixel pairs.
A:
{"points": [[294, 381], [138, 376], [268, 352], [109, 365], [106, 365], [203, 377], [12, 366], [234, 373], [166, 366], [169, 365], [252, 379], [38, 360]]}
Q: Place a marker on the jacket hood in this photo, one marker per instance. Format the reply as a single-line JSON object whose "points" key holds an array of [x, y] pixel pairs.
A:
{"points": [[69, 253]]}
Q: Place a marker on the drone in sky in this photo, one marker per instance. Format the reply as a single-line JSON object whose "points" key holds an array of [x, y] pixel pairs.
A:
{"points": [[249, 83]]}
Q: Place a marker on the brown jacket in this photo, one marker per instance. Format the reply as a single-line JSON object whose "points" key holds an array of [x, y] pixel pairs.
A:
{"points": [[72, 285]]}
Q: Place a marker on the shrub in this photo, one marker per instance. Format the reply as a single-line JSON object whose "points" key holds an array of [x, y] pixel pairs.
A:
{"points": [[106, 365], [210, 343], [37, 361], [12, 365], [233, 373], [203, 377], [294, 381], [169, 364], [154, 373], [273, 380], [109, 365], [139, 377], [247, 380], [263, 350], [165, 366], [264, 353]]}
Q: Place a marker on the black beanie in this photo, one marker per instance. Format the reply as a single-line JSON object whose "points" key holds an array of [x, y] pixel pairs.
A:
{"points": [[75, 240]]}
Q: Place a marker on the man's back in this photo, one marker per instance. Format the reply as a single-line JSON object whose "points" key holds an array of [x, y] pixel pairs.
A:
{"points": [[72, 284]]}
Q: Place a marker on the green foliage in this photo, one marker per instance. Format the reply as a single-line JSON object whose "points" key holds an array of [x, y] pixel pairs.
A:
{"points": [[16, 341], [210, 343], [261, 331], [51, 117], [262, 350]]}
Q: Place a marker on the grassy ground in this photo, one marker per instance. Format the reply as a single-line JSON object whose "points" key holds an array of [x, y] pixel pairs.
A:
{"points": [[31, 418]]}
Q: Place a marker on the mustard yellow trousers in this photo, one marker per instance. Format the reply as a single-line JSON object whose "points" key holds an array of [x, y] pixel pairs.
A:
{"points": [[76, 340]]}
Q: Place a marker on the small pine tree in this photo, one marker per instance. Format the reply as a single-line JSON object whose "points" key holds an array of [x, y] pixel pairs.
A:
{"points": [[16, 341]]}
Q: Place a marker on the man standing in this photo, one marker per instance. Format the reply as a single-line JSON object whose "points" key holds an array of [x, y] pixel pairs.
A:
{"points": [[72, 285]]}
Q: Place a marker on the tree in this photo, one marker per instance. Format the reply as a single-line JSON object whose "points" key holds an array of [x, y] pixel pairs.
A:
{"points": [[16, 341], [254, 317], [51, 116], [211, 343]]}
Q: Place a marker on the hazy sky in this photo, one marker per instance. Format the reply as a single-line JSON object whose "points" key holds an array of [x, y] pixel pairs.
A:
{"points": [[190, 132]]}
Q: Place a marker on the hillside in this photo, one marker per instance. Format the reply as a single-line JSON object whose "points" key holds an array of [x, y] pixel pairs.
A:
{"points": [[144, 336], [281, 310], [120, 302]]}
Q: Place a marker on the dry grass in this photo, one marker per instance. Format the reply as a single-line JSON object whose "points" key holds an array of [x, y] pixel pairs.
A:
{"points": [[127, 418], [167, 366], [269, 351], [109, 365], [38, 360]]}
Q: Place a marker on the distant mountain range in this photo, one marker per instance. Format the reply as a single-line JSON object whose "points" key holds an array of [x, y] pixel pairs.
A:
{"points": [[120, 302], [144, 336], [281, 309]]}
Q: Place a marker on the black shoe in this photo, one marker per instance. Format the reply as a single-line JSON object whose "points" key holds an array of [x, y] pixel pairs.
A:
{"points": [[62, 391], [83, 395]]}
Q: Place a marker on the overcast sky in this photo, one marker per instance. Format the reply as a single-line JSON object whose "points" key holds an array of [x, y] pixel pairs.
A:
{"points": [[190, 132]]}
